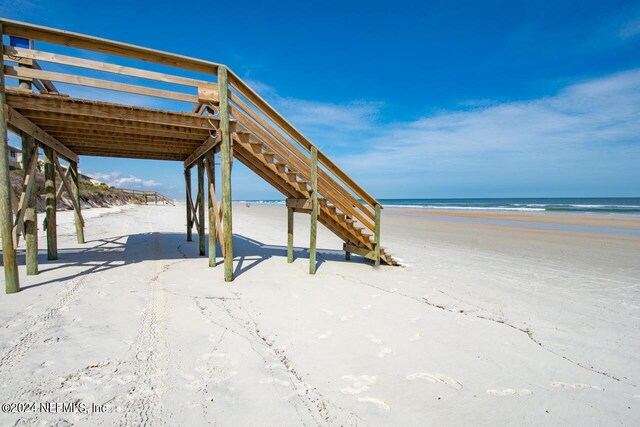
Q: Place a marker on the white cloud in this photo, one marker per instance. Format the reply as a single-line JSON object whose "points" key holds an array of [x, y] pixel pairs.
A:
{"points": [[118, 179], [585, 138]]}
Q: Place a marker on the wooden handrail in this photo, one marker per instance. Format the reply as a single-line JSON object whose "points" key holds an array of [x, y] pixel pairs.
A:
{"points": [[238, 84], [97, 44]]}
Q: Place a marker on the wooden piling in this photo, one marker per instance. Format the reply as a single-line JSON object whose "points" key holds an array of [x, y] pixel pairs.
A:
{"points": [[289, 235], [225, 158], [377, 236], [200, 203], [187, 182], [314, 210], [11, 280], [75, 189], [210, 163], [29, 150], [50, 197]]}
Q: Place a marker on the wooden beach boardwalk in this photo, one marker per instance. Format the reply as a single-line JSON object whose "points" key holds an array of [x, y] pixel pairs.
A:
{"points": [[224, 117]]}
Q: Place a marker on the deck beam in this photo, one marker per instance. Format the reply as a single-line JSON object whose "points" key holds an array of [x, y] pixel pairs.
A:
{"points": [[75, 194], [51, 201], [187, 181], [29, 150], [225, 159], [314, 210], [11, 279], [200, 204]]}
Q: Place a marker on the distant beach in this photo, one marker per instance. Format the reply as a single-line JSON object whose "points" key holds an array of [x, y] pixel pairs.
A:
{"points": [[493, 319]]}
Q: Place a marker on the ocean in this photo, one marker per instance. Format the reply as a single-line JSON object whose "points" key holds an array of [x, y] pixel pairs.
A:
{"points": [[590, 205]]}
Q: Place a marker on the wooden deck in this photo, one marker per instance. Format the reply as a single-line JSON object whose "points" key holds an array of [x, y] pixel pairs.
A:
{"points": [[222, 115]]}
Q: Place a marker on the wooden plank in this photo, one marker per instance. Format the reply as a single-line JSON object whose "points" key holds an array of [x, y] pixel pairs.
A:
{"points": [[225, 159], [187, 180], [314, 210], [71, 106], [96, 44], [124, 155], [209, 162], [69, 188], [21, 72], [12, 52], [50, 197], [75, 196], [294, 133], [29, 150], [363, 252], [61, 187], [48, 86], [299, 203], [201, 243], [27, 126], [28, 189], [377, 236], [206, 146], [289, 235]]}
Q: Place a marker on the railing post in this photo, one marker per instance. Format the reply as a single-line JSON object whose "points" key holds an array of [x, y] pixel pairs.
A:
{"points": [[11, 280], [314, 210], [225, 159], [201, 206], [75, 188], [187, 183], [210, 159], [377, 235], [29, 150], [289, 235], [50, 196]]}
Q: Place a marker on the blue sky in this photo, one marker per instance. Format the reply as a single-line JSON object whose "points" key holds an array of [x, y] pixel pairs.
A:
{"points": [[413, 99]]}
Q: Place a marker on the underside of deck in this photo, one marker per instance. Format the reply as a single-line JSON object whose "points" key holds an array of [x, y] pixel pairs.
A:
{"points": [[95, 128]]}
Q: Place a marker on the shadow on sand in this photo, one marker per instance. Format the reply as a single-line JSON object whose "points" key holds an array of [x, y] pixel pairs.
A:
{"points": [[109, 253]]}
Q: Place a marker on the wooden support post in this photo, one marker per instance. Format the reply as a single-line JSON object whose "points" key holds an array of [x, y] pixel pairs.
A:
{"points": [[314, 210], [289, 235], [11, 280], [75, 190], [201, 243], [29, 150], [347, 255], [210, 164], [50, 196], [187, 181], [377, 236], [225, 159]]}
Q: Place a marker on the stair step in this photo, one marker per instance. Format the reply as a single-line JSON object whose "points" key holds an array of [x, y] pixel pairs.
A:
{"points": [[256, 146], [268, 156], [281, 167], [243, 136], [292, 175], [303, 185]]}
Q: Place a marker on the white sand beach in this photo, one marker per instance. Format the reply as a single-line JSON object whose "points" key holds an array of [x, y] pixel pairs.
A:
{"points": [[488, 324]]}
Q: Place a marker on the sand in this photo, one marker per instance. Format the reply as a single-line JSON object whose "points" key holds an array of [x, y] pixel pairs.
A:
{"points": [[488, 324]]}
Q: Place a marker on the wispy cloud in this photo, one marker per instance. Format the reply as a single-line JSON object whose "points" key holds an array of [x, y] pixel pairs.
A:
{"points": [[585, 138], [119, 179]]}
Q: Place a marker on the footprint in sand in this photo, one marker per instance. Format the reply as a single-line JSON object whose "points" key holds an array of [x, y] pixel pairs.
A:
{"points": [[374, 339], [577, 386], [271, 380], [367, 307], [415, 319], [509, 392], [347, 317], [324, 335], [414, 338], [384, 352], [327, 311], [359, 383], [381, 404], [393, 290], [375, 295], [436, 378]]}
